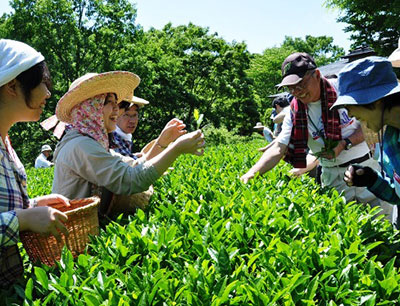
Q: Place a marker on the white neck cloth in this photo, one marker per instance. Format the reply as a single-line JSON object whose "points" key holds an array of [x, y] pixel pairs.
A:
{"points": [[124, 136]]}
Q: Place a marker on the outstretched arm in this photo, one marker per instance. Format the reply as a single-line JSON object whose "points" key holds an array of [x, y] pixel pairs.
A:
{"points": [[279, 118], [268, 160], [172, 130], [312, 162]]}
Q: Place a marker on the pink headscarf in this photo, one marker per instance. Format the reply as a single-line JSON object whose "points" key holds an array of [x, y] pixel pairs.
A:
{"points": [[87, 119]]}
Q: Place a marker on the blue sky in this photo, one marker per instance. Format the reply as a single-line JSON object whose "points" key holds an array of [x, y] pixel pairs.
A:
{"points": [[260, 23]]}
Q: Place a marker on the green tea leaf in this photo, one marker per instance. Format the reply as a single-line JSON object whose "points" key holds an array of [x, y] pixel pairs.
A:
{"points": [[28, 289], [42, 278]]}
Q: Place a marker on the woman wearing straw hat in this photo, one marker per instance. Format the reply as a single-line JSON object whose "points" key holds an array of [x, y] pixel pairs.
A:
{"points": [[24, 89], [370, 91], [83, 162]]}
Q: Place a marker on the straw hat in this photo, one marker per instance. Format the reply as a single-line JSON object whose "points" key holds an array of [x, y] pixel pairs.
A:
{"points": [[122, 83], [258, 126], [136, 100]]}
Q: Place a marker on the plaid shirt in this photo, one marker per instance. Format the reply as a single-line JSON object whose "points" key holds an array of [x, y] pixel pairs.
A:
{"points": [[388, 188], [13, 195], [122, 146]]}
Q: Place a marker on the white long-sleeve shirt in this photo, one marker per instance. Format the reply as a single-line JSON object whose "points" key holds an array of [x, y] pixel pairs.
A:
{"points": [[42, 162]]}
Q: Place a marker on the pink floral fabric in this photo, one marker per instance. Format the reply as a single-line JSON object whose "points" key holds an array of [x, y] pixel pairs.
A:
{"points": [[87, 118]]}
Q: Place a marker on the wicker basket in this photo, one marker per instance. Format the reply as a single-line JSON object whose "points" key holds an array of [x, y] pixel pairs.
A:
{"points": [[82, 222]]}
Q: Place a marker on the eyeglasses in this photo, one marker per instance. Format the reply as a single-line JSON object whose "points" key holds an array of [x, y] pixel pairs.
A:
{"points": [[300, 86], [131, 117]]}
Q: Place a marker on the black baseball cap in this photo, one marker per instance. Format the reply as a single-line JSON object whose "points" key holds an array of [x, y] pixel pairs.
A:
{"points": [[294, 68]]}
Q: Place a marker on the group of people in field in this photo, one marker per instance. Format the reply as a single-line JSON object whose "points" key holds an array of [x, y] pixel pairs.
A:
{"points": [[321, 127], [99, 113], [85, 164]]}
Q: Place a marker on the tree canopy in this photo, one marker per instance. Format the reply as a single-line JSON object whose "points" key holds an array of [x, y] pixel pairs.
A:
{"points": [[374, 22], [181, 68]]}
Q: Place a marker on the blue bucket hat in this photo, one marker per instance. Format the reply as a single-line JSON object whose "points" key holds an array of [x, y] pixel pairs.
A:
{"points": [[365, 81]]}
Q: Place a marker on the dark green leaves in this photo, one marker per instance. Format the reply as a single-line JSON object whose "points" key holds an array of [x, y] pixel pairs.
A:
{"points": [[208, 239]]}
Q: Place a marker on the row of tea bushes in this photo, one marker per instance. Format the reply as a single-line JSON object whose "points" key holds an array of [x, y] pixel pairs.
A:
{"points": [[208, 239]]}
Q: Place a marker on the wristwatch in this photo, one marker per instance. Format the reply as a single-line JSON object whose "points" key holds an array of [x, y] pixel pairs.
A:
{"points": [[348, 144]]}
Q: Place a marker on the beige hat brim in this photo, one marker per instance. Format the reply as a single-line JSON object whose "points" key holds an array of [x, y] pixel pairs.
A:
{"points": [[136, 100], [122, 83], [395, 58]]}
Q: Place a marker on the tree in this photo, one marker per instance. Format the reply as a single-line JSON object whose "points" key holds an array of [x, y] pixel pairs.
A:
{"points": [[321, 48], [181, 68], [375, 22], [185, 68]]}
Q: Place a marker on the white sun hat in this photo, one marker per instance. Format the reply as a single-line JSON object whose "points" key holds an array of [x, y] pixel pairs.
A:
{"points": [[136, 100], [46, 148], [258, 126]]}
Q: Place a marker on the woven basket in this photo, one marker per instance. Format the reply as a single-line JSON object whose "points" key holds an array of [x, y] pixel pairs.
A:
{"points": [[82, 222]]}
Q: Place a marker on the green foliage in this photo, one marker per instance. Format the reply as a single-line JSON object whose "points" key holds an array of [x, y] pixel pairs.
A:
{"points": [[182, 68], [266, 118], [321, 48], [375, 22], [40, 181], [265, 70], [207, 239], [221, 136]]}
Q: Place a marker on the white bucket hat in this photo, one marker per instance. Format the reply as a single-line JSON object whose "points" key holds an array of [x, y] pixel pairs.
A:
{"points": [[15, 58], [122, 83], [46, 148], [258, 126]]}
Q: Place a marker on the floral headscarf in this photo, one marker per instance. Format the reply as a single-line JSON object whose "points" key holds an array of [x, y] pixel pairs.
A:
{"points": [[87, 119]]}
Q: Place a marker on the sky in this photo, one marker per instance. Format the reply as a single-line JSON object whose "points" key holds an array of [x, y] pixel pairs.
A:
{"points": [[260, 24]]}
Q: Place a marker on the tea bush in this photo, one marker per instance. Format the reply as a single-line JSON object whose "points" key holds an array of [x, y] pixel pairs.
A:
{"points": [[207, 239], [223, 136]]}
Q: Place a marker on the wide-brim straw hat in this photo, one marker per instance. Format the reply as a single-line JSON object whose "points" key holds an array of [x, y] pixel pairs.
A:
{"points": [[136, 100], [122, 83]]}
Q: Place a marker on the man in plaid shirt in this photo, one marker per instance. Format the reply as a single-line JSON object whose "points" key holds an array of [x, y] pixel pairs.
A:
{"points": [[369, 89], [332, 135], [127, 123]]}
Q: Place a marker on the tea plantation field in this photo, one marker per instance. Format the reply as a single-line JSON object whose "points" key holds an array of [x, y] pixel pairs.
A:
{"points": [[208, 239]]}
